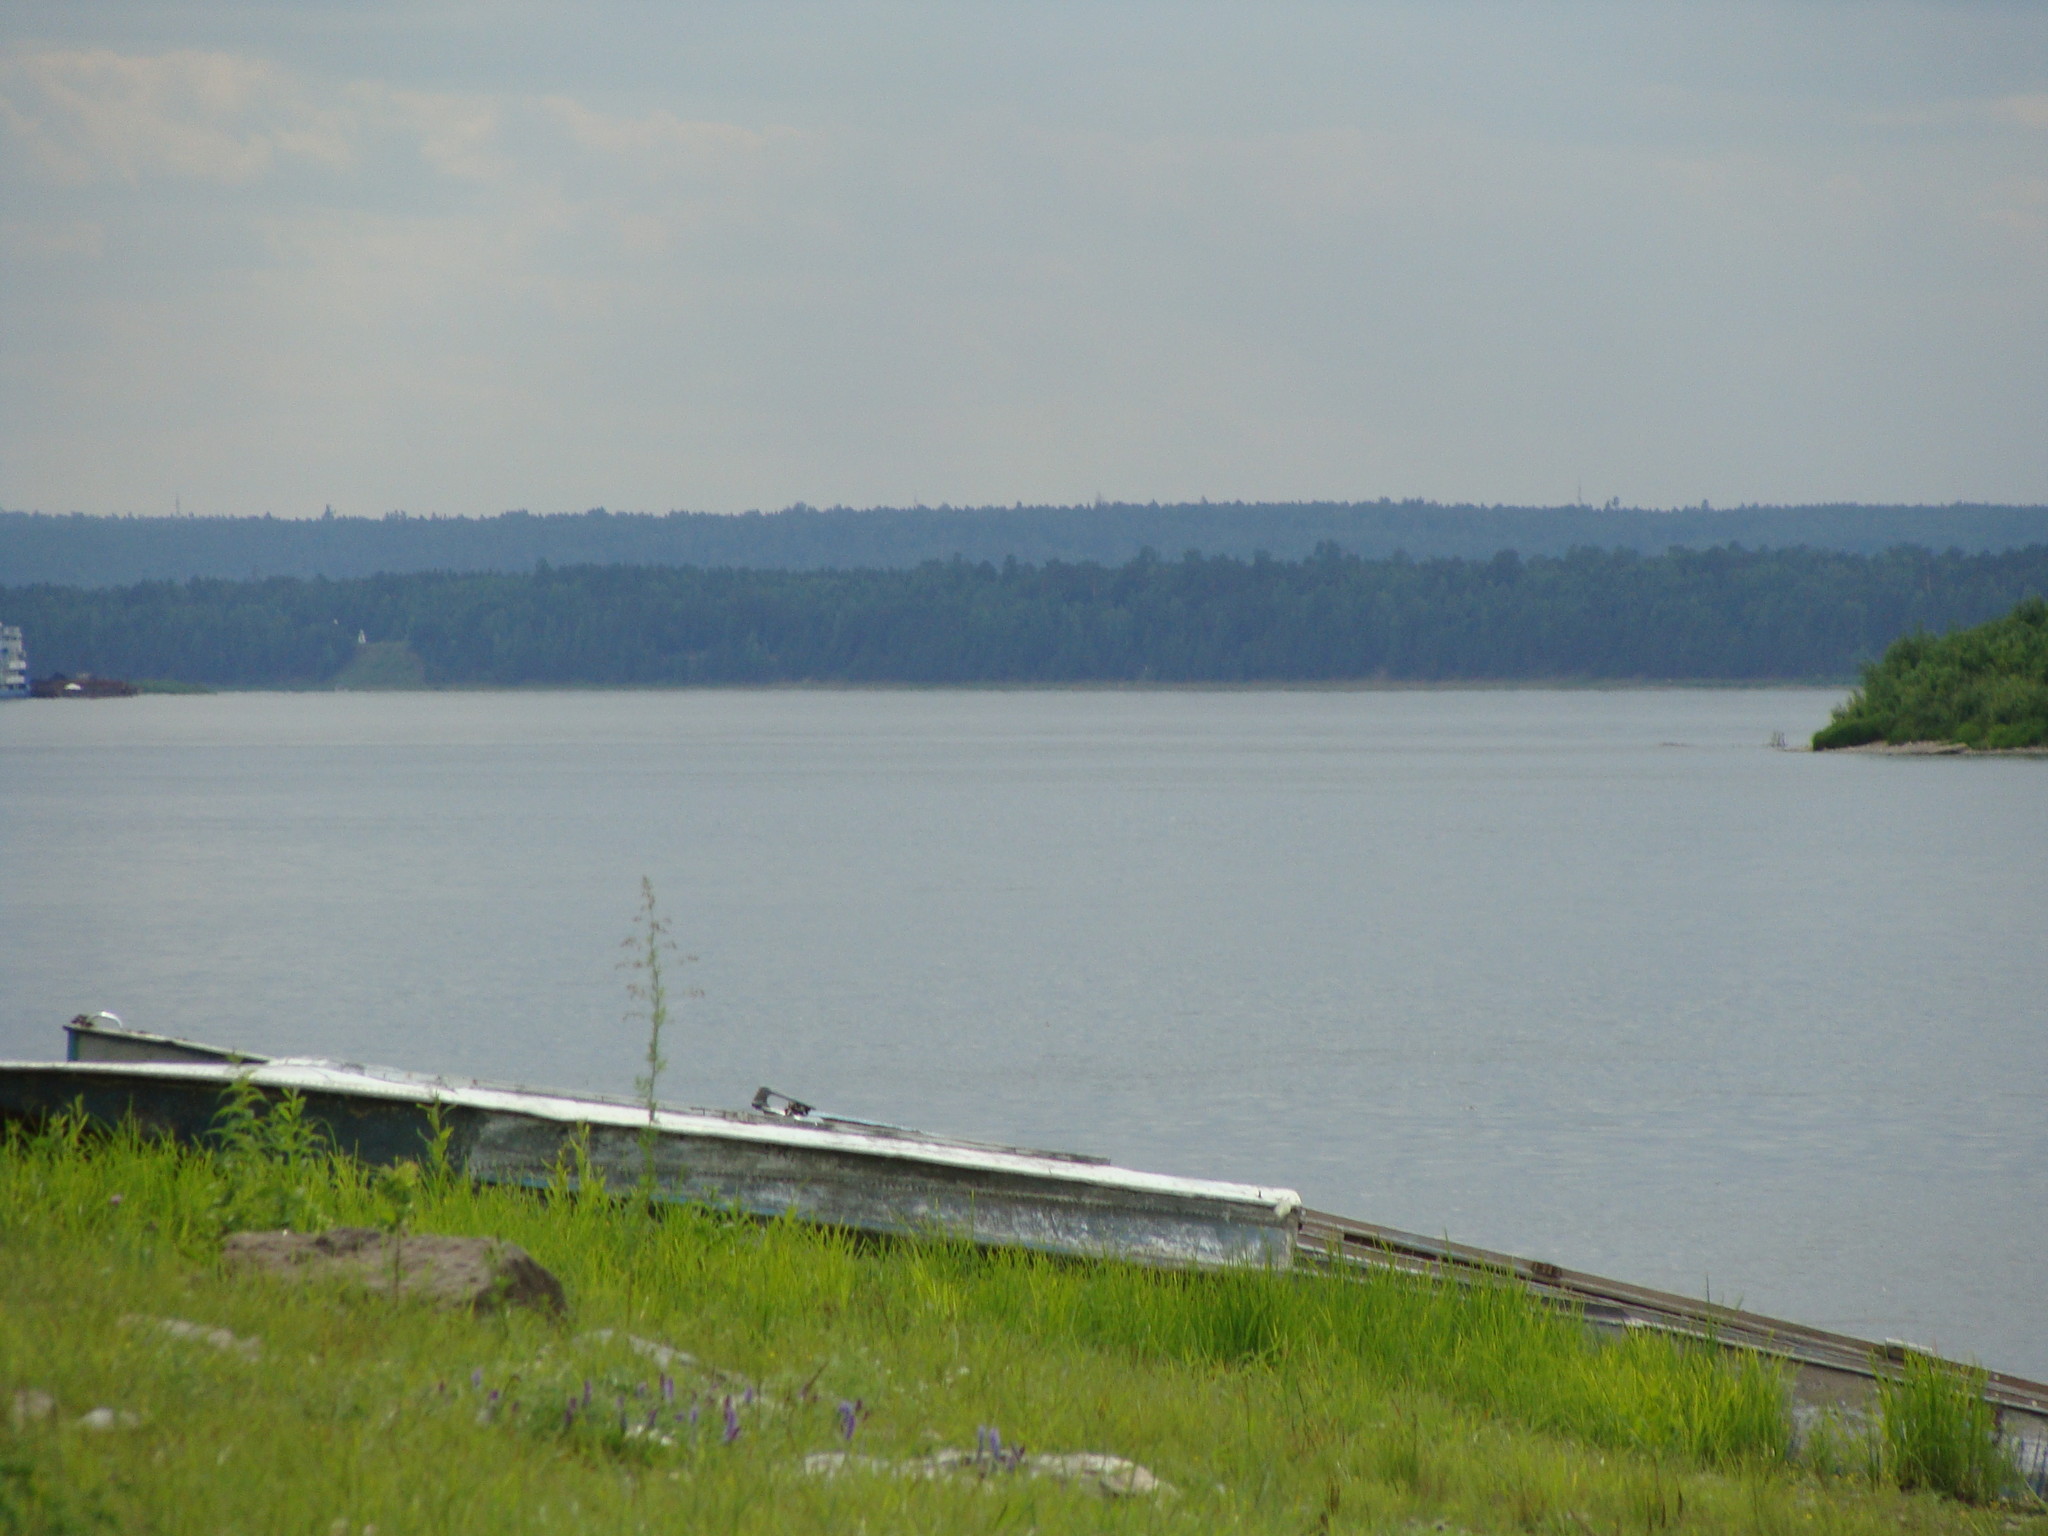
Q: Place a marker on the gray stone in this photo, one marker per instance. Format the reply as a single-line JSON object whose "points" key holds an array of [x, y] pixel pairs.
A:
{"points": [[479, 1273], [109, 1418], [647, 1349], [197, 1333], [31, 1406], [1111, 1476]]}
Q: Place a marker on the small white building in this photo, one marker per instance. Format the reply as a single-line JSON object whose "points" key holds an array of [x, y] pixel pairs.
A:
{"points": [[13, 663]]}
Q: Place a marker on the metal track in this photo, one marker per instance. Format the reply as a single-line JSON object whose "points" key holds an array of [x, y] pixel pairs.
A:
{"points": [[1619, 1306]]}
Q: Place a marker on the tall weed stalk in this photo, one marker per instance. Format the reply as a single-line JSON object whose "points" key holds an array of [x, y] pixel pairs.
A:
{"points": [[648, 948]]}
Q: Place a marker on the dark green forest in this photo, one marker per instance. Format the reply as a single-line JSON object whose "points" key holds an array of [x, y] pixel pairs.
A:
{"points": [[1983, 687], [1594, 614], [75, 550]]}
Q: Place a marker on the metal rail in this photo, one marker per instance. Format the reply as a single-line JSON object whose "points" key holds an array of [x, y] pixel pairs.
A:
{"points": [[1617, 1305]]}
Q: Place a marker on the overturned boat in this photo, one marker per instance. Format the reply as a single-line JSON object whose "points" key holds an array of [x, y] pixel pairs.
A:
{"points": [[778, 1157]]}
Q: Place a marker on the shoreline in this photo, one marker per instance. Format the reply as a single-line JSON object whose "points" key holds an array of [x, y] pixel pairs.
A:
{"points": [[1278, 685], [1932, 749]]}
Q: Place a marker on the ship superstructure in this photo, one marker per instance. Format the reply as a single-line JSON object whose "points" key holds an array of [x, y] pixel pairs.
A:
{"points": [[13, 663]]}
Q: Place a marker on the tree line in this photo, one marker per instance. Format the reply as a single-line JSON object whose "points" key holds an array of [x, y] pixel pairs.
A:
{"points": [[74, 550], [1726, 613]]}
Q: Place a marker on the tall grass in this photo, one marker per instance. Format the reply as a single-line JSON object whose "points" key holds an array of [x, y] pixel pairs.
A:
{"points": [[1938, 1432], [1487, 1345], [1276, 1402]]}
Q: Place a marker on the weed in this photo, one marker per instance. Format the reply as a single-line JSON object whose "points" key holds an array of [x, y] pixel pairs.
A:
{"points": [[1938, 1431], [273, 1161], [438, 1170], [646, 948]]}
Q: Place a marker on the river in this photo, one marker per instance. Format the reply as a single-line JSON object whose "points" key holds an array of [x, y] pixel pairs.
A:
{"points": [[1590, 975]]}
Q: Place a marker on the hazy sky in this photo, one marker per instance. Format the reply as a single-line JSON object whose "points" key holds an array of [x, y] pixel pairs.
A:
{"points": [[461, 257]]}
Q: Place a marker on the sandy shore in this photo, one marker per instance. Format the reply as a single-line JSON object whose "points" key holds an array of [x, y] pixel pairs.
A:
{"points": [[1940, 749]]}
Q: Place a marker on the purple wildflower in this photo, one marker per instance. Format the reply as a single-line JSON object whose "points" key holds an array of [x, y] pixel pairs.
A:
{"points": [[748, 1397], [732, 1422], [668, 1388], [476, 1377], [693, 1415], [493, 1398], [569, 1414], [586, 1391], [849, 1418]]}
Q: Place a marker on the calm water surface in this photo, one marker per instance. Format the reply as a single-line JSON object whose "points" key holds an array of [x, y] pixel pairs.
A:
{"points": [[1592, 976]]}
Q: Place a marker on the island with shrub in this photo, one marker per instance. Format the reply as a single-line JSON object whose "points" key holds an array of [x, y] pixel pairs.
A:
{"points": [[1983, 689]]}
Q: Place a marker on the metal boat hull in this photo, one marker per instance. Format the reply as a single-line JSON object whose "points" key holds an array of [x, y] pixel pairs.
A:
{"points": [[867, 1178]]}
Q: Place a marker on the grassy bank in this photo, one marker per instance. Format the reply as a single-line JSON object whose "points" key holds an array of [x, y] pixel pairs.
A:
{"points": [[1272, 1403]]}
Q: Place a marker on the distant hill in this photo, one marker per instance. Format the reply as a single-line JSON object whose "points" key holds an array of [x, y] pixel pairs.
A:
{"points": [[75, 550], [1706, 614]]}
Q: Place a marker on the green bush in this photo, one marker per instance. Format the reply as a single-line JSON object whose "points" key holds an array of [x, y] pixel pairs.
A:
{"points": [[1985, 687]]}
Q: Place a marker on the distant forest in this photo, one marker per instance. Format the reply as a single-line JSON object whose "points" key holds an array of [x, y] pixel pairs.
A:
{"points": [[73, 550], [1711, 614]]}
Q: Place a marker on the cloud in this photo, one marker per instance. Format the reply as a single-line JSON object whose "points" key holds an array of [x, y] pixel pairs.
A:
{"points": [[52, 239], [82, 116], [1310, 176], [541, 282], [458, 135], [2025, 111], [660, 140]]}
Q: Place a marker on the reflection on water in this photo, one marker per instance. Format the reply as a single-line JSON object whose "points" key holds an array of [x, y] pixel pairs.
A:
{"points": [[1594, 976]]}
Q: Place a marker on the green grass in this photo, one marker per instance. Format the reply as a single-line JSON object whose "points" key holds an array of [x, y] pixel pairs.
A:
{"points": [[1985, 687], [1938, 1431], [1274, 1403]]}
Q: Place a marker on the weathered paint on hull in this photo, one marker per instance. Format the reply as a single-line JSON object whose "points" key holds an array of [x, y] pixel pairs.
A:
{"points": [[840, 1188], [84, 1040], [377, 1131], [871, 1180]]}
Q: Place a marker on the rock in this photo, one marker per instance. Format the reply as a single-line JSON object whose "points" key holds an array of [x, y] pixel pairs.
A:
{"points": [[666, 1358], [197, 1333], [31, 1407], [1112, 1476], [479, 1273], [647, 1349], [1107, 1474], [109, 1418]]}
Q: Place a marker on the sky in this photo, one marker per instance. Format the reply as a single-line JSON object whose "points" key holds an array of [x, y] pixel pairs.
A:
{"points": [[453, 257]]}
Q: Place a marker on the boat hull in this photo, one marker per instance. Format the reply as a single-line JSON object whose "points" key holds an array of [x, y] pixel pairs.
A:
{"points": [[839, 1187], [867, 1179]]}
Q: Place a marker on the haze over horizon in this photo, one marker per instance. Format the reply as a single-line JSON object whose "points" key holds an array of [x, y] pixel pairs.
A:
{"points": [[456, 258]]}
